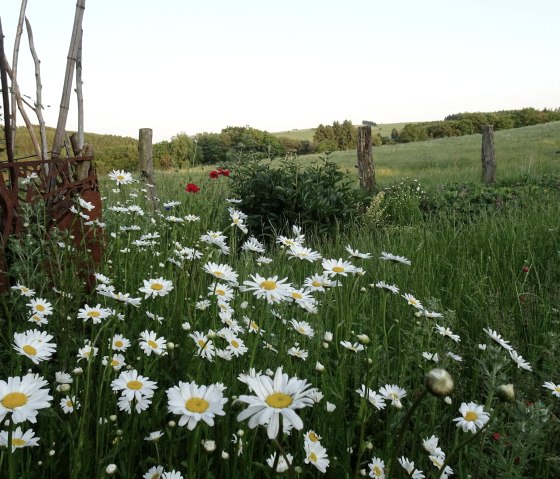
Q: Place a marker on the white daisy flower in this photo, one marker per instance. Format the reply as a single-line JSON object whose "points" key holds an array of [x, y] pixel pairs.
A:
{"points": [[195, 403], [221, 271], [156, 287], [303, 253], [447, 332], [23, 397], [204, 344], [389, 287], [376, 468], [317, 455], [333, 267], [282, 465], [496, 337], [397, 259], [356, 254], [119, 343], [272, 289], [121, 177], [555, 388], [473, 417], [150, 343], [69, 404], [23, 290], [356, 347], [253, 244], [413, 301], [303, 328], [393, 393], [518, 359], [19, 439], [95, 313], [274, 397], [35, 345], [40, 306]]}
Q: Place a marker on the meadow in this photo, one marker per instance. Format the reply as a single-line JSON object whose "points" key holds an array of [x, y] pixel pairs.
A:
{"points": [[422, 343]]}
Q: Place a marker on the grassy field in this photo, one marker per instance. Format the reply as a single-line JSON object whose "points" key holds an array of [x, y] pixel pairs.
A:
{"points": [[384, 129], [170, 367], [519, 152]]}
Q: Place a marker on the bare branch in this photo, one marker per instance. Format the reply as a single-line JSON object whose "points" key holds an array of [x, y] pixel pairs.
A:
{"points": [[15, 90]]}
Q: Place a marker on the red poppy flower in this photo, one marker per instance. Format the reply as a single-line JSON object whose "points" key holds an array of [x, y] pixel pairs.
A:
{"points": [[192, 188], [225, 172], [525, 269], [214, 174]]}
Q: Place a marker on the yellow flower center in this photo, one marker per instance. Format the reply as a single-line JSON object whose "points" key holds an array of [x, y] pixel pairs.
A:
{"points": [[114, 362], [24, 290], [157, 286], [119, 344], [13, 400], [197, 405], [268, 285], [377, 471], [234, 343], [338, 269], [135, 385], [316, 283], [218, 274], [254, 325], [69, 403], [313, 457], [313, 437], [202, 343], [120, 177], [557, 389], [297, 295], [279, 400], [17, 442], [221, 292], [40, 308], [471, 416], [152, 344], [93, 314], [30, 350]]}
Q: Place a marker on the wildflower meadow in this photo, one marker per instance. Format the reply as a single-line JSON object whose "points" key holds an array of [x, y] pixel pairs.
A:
{"points": [[426, 347]]}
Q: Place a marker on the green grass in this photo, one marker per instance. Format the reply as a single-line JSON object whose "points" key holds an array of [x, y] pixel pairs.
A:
{"points": [[384, 129], [498, 269], [519, 152]]}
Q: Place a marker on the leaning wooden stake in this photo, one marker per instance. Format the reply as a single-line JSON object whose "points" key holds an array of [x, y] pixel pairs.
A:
{"points": [[6, 101], [15, 89], [60, 132], [147, 165], [487, 155], [366, 169]]}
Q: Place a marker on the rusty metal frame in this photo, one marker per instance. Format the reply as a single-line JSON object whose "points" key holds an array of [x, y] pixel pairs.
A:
{"points": [[58, 190]]}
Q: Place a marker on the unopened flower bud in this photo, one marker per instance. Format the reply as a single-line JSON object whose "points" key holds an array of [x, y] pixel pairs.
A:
{"points": [[209, 445], [439, 382], [363, 338], [319, 367], [328, 336], [111, 469], [65, 388], [506, 392]]}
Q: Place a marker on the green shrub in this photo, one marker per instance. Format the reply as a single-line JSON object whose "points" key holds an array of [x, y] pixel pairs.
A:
{"points": [[317, 196]]}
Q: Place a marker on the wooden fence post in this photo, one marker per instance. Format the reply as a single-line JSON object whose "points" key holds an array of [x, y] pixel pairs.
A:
{"points": [[366, 169], [487, 155], [147, 165]]}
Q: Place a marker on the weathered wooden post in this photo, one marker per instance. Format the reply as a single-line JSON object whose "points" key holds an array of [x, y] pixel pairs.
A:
{"points": [[487, 155], [366, 169], [147, 165]]}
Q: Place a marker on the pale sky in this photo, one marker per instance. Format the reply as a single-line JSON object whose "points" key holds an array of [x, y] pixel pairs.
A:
{"points": [[201, 65]]}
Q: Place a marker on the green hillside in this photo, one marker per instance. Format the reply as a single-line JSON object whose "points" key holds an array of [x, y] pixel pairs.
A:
{"points": [[384, 129], [519, 152]]}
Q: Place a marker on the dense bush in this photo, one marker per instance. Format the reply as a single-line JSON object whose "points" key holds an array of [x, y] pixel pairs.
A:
{"points": [[318, 196]]}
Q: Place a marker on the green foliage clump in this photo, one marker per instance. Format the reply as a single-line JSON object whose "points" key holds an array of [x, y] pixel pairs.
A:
{"points": [[335, 137], [403, 203], [318, 196]]}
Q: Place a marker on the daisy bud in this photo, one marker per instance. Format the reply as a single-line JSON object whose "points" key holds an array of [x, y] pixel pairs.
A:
{"points": [[52, 452], [369, 445], [119, 432], [298, 469], [363, 472], [417, 314], [113, 418], [328, 337], [171, 423], [170, 346], [244, 305], [65, 388], [241, 433], [330, 407], [482, 347], [439, 382], [111, 469], [209, 445], [186, 326], [369, 361], [78, 371], [225, 455], [363, 338], [506, 392], [325, 345], [363, 290], [447, 400], [319, 367]]}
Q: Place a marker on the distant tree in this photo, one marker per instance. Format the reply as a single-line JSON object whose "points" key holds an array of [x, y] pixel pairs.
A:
{"points": [[395, 134], [211, 147]]}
